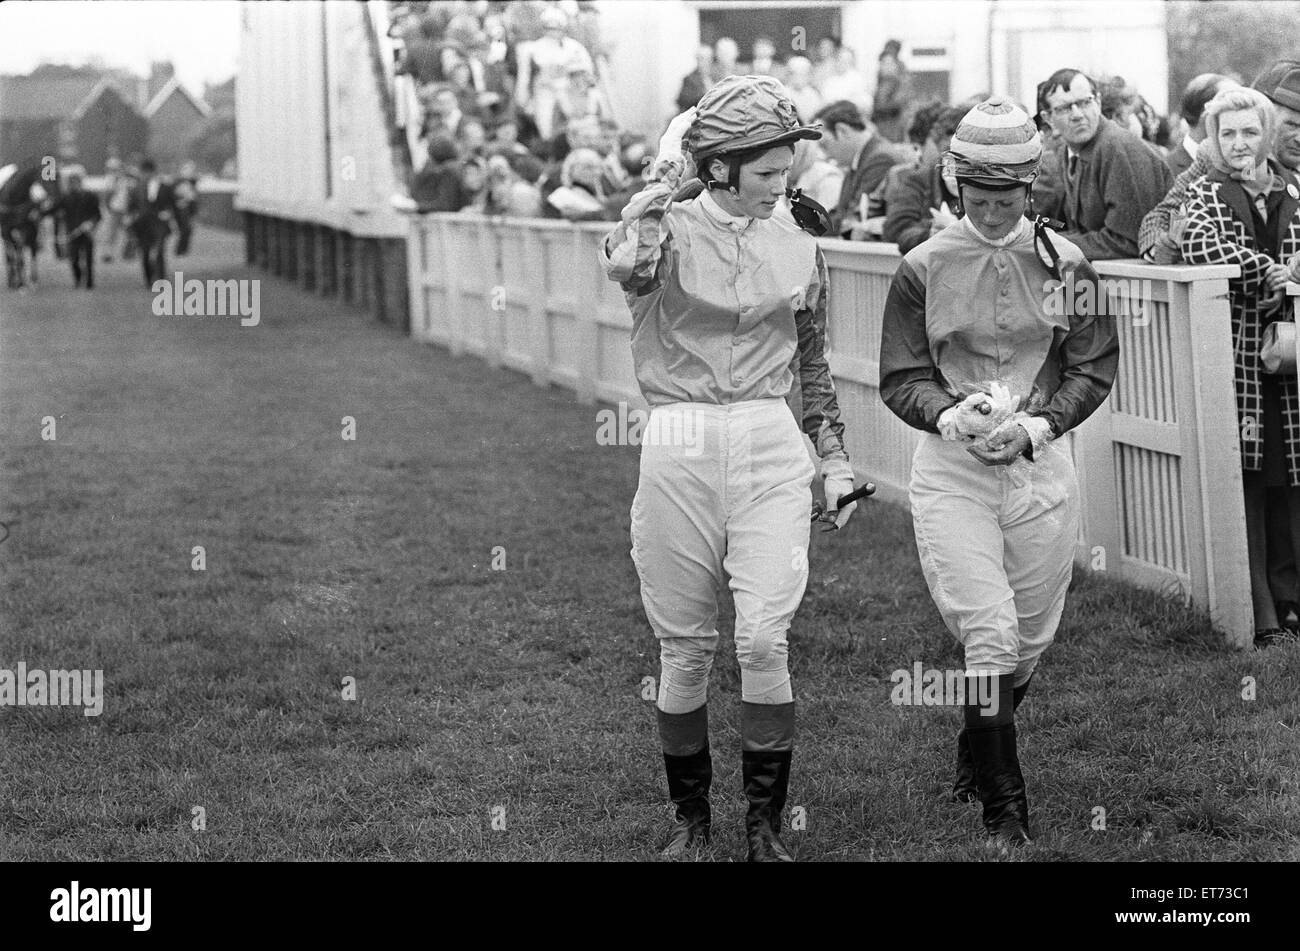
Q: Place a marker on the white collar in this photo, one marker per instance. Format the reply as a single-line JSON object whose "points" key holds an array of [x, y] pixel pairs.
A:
{"points": [[1006, 240], [720, 214], [1190, 145]]}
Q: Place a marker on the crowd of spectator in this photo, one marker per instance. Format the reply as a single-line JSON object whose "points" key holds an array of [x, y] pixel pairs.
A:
{"points": [[507, 111], [510, 112], [511, 116]]}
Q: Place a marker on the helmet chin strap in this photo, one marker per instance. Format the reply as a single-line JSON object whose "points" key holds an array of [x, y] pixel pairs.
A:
{"points": [[732, 183]]}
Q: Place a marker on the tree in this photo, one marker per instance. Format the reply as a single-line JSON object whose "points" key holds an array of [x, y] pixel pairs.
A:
{"points": [[1234, 38], [214, 144]]}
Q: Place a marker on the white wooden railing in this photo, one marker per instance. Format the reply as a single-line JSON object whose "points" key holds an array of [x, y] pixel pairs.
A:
{"points": [[1159, 464]]}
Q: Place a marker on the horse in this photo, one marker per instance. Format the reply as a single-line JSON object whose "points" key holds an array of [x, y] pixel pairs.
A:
{"points": [[25, 197]]}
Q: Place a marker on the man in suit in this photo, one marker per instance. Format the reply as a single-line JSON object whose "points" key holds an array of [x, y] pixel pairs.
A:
{"points": [[726, 59], [1112, 179], [920, 203], [1199, 91], [78, 214], [852, 143], [186, 190], [151, 209], [442, 111], [697, 82]]}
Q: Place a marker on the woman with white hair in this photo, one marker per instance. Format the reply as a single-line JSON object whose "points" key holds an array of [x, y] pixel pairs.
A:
{"points": [[581, 195], [1246, 211]]}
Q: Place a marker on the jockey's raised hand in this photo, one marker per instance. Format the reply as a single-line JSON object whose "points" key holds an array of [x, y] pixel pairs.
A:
{"points": [[670, 145]]}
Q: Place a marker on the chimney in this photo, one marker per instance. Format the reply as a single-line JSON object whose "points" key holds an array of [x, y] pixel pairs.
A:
{"points": [[159, 73]]}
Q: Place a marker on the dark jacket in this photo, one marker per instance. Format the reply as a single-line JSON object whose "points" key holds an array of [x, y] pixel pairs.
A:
{"points": [[76, 208], [1120, 179], [437, 187], [692, 91], [151, 220], [910, 202], [1178, 160], [874, 162]]}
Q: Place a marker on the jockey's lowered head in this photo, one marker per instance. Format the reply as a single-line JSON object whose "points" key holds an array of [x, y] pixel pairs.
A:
{"points": [[996, 147]]}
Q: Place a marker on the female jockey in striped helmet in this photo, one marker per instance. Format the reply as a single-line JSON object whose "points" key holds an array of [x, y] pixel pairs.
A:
{"points": [[979, 351]]}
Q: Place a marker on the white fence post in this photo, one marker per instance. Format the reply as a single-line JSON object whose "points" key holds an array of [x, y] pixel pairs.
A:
{"points": [[417, 241], [1218, 457], [449, 232], [489, 252], [582, 299]]}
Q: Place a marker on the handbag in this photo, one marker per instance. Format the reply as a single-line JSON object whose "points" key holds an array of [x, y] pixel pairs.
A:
{"points": [[1277, 349]]}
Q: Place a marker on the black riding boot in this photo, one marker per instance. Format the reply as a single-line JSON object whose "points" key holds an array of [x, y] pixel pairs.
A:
{"points": [[964, 788], [689, 766], [767, 743], [1001, 785]]}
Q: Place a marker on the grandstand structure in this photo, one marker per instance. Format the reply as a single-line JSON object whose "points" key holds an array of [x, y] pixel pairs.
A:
{"points": [[320, 154]]}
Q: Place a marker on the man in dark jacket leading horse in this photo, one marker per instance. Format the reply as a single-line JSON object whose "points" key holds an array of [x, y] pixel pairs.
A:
{"points": [[151, 210]]}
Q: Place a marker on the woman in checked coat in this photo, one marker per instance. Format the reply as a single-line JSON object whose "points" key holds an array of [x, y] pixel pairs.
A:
{"points": [[1247, 212]]}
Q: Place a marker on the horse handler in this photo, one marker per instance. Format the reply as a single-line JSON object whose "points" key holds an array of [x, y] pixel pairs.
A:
{"points": [[78, 214], [728, 300], [983, 349]]}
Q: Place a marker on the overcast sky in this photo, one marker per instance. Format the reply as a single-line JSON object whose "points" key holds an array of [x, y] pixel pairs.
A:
{"points": [[200, 36]]}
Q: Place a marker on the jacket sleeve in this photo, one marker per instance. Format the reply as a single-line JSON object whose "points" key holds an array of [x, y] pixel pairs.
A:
{"points": [[1204, 241], [907, 223], [821, 408], [632, 252], [1089, 360], [909, 380], [1157, 220], [1049, 186], [1129, 189], [876, 168]]}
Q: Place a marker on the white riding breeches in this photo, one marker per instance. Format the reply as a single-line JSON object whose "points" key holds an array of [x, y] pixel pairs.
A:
{"points": [[996, 545], [724, 489]]}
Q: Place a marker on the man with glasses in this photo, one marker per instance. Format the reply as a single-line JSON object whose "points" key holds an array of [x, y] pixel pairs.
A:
{"points": [[1111, 177]]}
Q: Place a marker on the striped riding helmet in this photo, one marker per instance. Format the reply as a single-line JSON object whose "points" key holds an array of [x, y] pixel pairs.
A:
{"points": [[997, 145]]}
